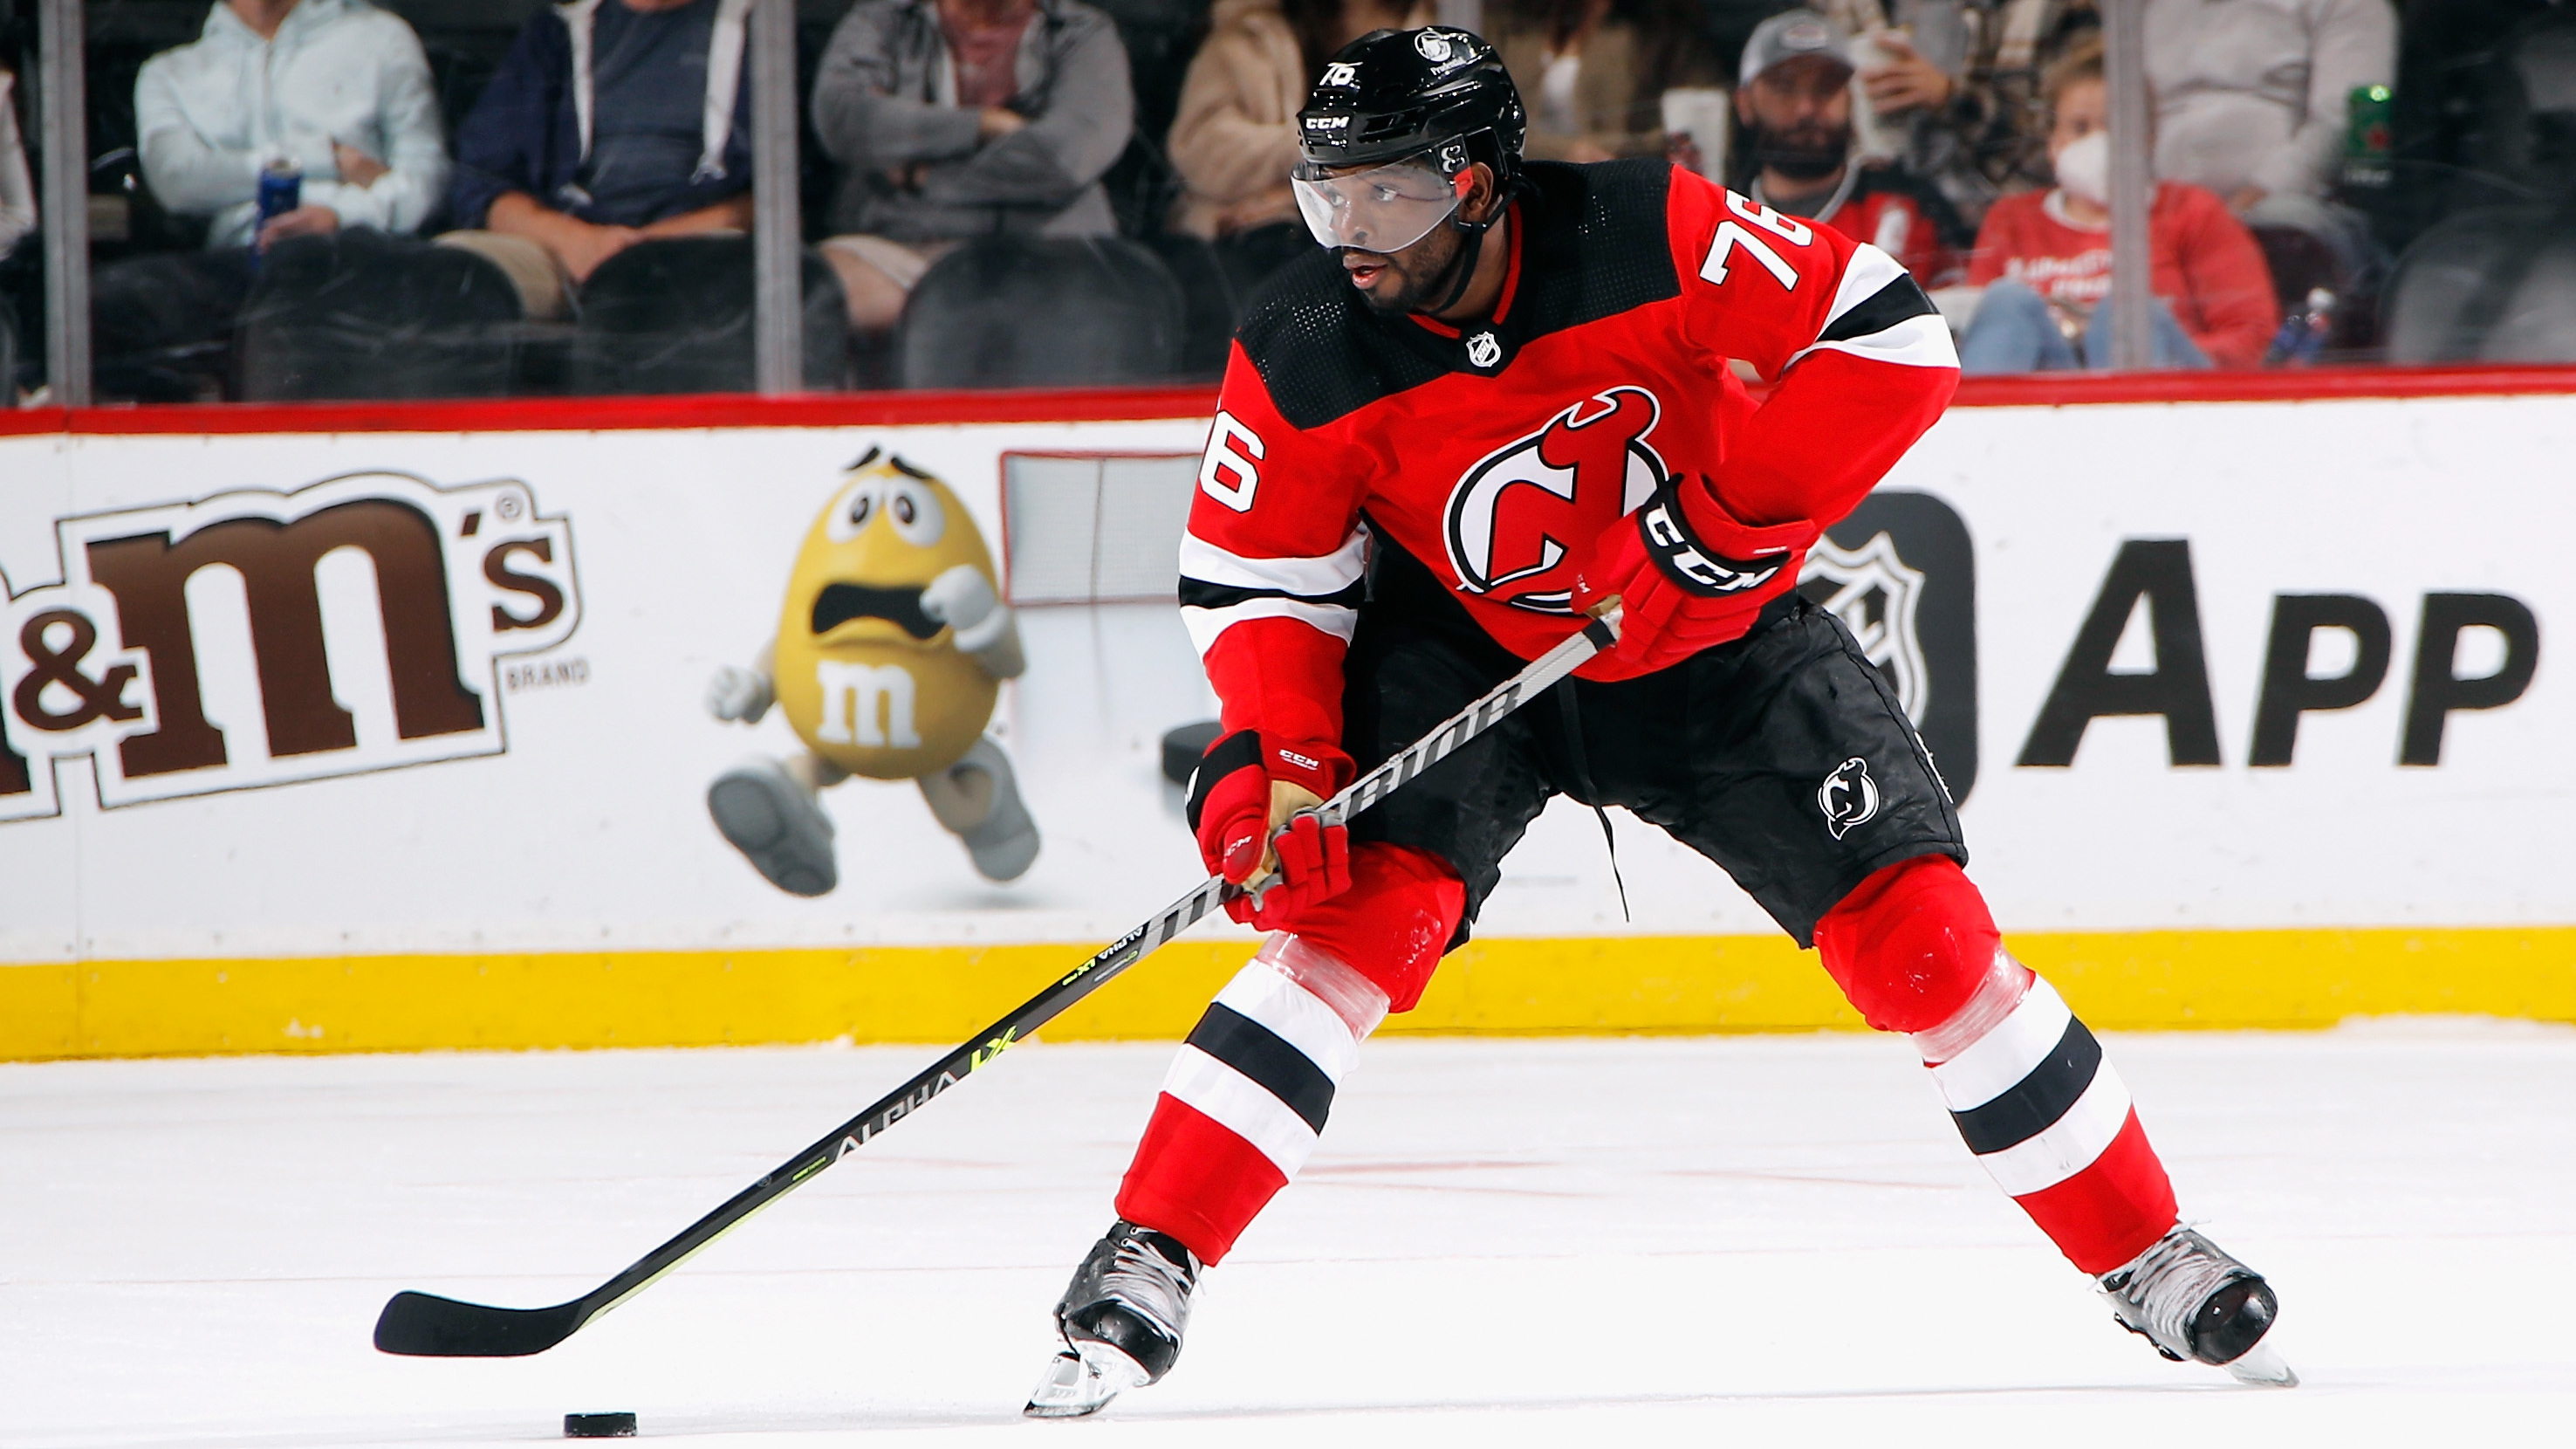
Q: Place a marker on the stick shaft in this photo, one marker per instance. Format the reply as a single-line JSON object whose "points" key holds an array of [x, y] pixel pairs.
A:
{"points": [[971, 1055]]}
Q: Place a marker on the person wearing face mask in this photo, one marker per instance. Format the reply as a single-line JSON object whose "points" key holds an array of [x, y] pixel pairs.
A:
{"points": [[2044, 258], [1793, 122]]}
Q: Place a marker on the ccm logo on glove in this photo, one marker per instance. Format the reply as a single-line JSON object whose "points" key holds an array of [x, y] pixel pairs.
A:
{"points": [[1696, 568], [1244, 797]]}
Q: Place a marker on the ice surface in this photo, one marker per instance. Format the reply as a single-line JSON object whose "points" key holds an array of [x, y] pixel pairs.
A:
{"points": [[1746, 1241]]}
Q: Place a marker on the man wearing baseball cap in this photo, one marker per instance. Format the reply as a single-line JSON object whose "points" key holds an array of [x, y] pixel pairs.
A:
{"points": [[1793, 116]]}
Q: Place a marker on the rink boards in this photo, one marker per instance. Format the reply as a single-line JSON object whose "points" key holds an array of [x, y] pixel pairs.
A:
{"points": [[370, 740]]}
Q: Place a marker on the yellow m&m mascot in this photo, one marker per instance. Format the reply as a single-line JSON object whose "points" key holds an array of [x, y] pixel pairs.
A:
{"points": [[891, 647]]}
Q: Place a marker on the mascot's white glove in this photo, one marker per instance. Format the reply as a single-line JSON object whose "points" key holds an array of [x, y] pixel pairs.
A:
{"points": [[739, 694], [963, 600]]}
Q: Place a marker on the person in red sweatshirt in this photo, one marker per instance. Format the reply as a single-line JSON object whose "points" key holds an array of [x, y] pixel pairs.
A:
{"points": [[2044, 259]]}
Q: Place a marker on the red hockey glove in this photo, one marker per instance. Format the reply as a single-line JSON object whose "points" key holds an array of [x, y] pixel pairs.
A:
{"points": [[1246, 790], [1687, 581]]}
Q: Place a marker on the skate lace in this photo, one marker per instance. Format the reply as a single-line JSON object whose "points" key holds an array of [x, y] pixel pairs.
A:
{"points": [[2168, 1283], [1150, 1285]]}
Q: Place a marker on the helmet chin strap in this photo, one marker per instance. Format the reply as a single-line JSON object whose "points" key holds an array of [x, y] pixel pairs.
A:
{"points": [[1464, 264]]}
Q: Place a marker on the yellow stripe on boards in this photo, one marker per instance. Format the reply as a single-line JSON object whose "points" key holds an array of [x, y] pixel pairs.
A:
{"points": [[942, 994]]}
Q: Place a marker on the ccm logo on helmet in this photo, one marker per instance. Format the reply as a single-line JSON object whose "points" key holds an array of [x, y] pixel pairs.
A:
{"points": [[1517, 520]]}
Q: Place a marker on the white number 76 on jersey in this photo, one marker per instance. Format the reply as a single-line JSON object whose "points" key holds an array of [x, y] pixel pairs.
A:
{"points": [[1731, 235]]}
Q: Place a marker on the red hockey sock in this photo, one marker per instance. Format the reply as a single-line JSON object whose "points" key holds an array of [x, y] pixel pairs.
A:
{"points": [[1248, 1095], [1916, 951]]}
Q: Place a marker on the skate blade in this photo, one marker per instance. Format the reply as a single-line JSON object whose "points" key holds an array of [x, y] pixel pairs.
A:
{"points": [[2262, 1367], [1076, 1384]]}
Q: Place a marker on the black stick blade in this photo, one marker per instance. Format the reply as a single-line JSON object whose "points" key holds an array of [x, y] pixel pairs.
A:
{"points": [[427, 1326]]}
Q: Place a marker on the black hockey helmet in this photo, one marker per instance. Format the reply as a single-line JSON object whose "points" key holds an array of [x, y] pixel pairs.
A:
{"points": [[1393, 94]]}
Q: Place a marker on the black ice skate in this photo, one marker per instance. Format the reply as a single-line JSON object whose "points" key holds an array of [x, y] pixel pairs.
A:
{"points": [[1121, 1318], [2194, 1302]]}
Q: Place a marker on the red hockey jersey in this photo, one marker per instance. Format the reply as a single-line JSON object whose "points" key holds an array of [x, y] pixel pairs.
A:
{"points": [[1496, 454]]}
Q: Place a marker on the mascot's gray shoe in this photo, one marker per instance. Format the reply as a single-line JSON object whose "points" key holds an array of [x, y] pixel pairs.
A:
{"points": [[777, 825], [978, 801]]}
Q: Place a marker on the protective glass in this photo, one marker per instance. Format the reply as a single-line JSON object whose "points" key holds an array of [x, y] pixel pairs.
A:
{"points": [[1384, 209]]}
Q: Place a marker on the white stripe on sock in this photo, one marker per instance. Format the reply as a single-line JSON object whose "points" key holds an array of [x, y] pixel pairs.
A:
{"points": [[1293, 1014], [1995, 1063], [1241, 1106], [2070, 1145]]}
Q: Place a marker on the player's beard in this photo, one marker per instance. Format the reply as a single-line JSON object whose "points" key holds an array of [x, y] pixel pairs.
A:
{"points": [[1424, 272], [1809, 152]]}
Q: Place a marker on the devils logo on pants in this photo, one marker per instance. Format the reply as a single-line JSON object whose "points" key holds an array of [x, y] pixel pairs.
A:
{"points": [[1848, 797], [1521, 517]]}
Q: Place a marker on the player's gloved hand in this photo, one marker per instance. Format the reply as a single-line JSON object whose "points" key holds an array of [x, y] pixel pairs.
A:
{"points": [[1687, 575], [738, 694], [1247, 790]]}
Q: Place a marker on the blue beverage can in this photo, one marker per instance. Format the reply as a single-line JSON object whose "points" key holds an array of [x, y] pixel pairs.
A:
{"points": [[281, 188]]}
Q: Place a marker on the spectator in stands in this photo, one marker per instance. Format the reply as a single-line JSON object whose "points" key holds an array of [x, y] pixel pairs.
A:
{"points": [[2044, 258], [610, 122], [963, 118], [1956, 82], [17, 193], [337, 87], [1234, 138], [1793, 149], [2251, 98], [17, 220], [1593, 72]]}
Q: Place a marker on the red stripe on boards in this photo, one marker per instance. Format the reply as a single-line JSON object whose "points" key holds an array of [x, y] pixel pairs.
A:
{"points": [[2111, 1211], [1194, 1179], [1195, 402]]}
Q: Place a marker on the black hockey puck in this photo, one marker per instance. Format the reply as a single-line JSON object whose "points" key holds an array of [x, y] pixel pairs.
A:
{"points": [[599, 1426]]}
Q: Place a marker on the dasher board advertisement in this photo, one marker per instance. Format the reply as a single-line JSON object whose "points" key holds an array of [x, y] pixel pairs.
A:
{"points": [[2187, 668]]}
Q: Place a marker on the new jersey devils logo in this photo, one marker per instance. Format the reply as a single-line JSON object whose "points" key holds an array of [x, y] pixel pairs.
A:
{"points": [[1848, 797], [1518, 516]]}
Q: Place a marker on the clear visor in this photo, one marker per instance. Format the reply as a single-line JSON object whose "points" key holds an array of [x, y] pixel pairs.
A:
{"points": [[1384, 209]]}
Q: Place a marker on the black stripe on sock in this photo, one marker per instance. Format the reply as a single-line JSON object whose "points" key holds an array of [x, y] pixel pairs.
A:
{"points": [[2034, 1103], [1256, 1051], [1882, 309]]}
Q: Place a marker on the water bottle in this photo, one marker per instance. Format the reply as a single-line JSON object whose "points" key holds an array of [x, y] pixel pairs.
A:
{"points": [[281, 190], [2304, 333]]}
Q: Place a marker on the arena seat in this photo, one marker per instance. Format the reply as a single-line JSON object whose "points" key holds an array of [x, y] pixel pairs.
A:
{"points": [[359, 314], [1041, 312], [674, 314]]}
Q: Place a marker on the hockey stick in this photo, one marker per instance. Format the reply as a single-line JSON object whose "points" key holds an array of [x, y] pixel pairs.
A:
{"points": [[424, 1324]]}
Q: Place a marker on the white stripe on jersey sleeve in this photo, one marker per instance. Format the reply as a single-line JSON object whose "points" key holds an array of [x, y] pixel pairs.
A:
{"points": [[1206, 624], [1918, 341], [1315, 577], [1864, 276]]}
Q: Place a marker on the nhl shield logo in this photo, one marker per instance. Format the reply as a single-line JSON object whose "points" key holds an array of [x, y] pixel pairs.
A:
{"points": [[1900, 574], [1484, 349], [1849, 797], [1434, 46], [1875, 593]]}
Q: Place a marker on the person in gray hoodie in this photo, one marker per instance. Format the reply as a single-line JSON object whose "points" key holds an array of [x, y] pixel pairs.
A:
{"points": [[339, 88], [953, 119]]}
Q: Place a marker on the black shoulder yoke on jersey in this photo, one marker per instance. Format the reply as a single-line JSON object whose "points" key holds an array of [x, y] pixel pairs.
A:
{"points": [[1594, 245]]}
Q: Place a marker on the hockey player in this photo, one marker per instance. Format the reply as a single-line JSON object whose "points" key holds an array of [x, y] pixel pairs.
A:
{"points": [[1500, 400]]}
